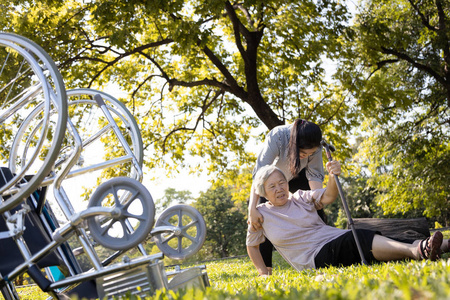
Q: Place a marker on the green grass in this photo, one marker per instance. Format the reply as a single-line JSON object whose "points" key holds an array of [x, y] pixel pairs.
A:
{"points": [[401, 280], [237, 279]]}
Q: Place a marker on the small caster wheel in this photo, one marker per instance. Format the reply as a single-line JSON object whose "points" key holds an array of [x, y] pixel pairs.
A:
{"points": [[188, 234], [124, 230]]}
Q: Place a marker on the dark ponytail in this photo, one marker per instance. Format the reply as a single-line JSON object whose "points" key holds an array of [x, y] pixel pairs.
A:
{"points": [[304, 135]]}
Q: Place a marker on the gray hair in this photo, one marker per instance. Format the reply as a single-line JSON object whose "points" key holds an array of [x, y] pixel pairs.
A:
{"points": [[261, 177]]}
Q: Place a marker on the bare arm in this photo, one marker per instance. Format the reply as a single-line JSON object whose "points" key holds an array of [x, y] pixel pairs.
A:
{"points": [[266, 156], [255, 256], [331, 193], [255, 219]]}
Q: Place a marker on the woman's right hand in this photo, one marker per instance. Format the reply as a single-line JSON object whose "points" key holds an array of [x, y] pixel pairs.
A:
{"points": [[255, 219]]}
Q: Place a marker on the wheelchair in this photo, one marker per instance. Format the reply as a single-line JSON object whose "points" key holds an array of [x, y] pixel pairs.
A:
{"points": [[52, 140]]}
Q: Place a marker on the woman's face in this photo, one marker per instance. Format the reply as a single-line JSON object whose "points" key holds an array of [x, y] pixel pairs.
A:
{"points": [[277, 189], [304, 153]]}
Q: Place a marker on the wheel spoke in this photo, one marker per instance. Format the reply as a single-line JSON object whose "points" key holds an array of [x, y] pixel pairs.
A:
{"points": [[166, 239], [4, 64], [116, 197], [133, 216], [104, 230], [131, 198], [180, 218], [126, 234], [93, 137], [180, 246], [188, 236], [192, 223], [166, 222]]}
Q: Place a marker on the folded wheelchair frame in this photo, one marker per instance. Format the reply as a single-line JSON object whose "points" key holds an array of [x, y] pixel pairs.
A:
{"points": [[44, 122]]}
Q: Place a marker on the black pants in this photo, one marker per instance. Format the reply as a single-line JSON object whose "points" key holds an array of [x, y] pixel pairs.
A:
{"points": [[343, 251], [299, 182]]}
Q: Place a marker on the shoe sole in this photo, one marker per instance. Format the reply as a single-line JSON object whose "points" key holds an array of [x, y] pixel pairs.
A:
{"points": [[436, 242]]}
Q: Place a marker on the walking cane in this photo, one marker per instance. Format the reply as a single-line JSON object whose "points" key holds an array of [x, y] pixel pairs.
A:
{"points": [[328, 149]]}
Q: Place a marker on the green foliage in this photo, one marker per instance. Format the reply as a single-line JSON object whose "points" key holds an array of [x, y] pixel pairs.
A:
{"points": [[415, 182], [203, 78], [171, 197], [360, 199], [239, 180], [200, 77], [396, 58], [226, 225]]}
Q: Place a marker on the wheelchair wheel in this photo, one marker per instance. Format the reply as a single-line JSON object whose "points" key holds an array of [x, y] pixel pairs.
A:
{"points": [[28, 79], [189, 235], [133, 223], [102, 148]]}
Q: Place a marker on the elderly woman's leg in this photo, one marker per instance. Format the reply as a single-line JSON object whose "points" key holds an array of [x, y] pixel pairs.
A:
{"points": [[386, 249], [445, 247], [343, 251], [266, 250]]}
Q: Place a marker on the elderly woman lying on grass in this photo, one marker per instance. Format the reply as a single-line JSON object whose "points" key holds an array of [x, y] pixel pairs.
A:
{"points": [[302, 238]]}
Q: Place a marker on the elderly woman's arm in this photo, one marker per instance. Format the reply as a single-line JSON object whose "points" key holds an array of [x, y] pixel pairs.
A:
{"points": [[255, 256], [254, 217], [331, 193]]}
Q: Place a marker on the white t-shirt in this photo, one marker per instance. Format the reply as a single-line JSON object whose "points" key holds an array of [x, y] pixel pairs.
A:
{"points": [[295, 229]]}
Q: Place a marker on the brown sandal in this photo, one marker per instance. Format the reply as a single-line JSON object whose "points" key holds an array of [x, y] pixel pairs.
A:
{"points": [[430, 248]]}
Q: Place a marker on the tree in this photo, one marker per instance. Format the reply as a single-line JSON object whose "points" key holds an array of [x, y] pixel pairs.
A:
{"points": [[172, 196], [226, 225], [200, 75], [398, 69]]}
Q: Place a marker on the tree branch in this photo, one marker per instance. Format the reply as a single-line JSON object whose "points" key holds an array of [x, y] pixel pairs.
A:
{"points": [[417, 65], [444, 36], [425, 20], [238, 28], [336, 111], [234, 87], [200, 117], [123, 55], [247, 14], [140, 85], [382, 63], [206, 81]]}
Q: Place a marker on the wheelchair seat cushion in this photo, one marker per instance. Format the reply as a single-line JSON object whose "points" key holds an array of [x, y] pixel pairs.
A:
{"points": [[35, 236]]}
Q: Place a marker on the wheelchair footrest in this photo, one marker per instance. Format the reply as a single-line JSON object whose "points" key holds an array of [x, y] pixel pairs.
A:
{"points": [[195, 277], [144, 280], [140, 281]]}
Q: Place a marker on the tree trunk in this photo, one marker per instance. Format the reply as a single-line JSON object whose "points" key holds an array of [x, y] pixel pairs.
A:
{"points": [[403, 229]]}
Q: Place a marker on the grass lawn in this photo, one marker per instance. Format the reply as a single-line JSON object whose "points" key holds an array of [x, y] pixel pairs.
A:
{"points": [[236, 279]]}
